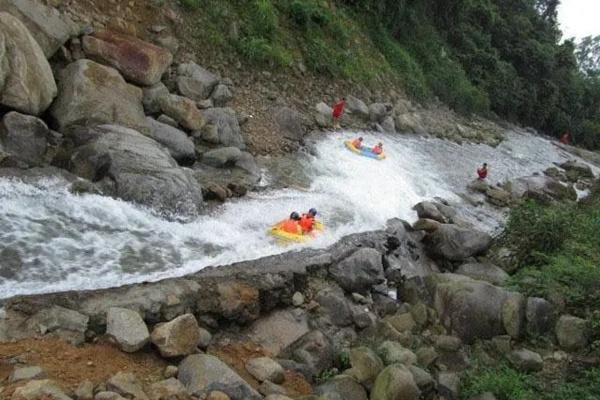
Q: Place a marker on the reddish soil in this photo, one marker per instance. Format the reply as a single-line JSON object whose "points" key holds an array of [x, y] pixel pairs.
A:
{"points": [[70, 365]]}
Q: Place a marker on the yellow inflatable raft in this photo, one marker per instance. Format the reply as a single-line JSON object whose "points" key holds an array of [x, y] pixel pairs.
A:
{"points": [[287, 237], [365, 152]]}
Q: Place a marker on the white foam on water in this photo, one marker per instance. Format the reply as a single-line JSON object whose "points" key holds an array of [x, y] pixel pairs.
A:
{"points": [[71, 241]]}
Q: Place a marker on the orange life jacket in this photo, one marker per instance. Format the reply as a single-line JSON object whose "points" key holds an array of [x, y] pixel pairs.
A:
{"points": [[307, 222], [290, 226], [357, 143], [377, 150]]}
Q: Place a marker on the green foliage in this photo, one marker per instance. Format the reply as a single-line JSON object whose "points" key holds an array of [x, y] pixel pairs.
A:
{"points": [[262, 51], [191, 4], [326, 375]]}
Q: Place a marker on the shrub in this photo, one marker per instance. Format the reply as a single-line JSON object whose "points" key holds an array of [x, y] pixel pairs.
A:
{"points": [[262, 51], [505, 382], [191, 4]]}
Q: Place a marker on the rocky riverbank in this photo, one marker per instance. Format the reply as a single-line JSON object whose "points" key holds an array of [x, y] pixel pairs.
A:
{"points": [[397, 313]]}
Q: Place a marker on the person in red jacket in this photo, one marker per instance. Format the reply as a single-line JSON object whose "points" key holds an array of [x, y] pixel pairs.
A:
{"points": [[482, 172], [307, 221], [291, 225], [338, 109], [564, 138], [357, 143], [378, 149]]}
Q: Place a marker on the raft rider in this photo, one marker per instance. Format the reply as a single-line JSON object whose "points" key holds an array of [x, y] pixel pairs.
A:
{"points": [[378, 149], [357, 143], [291, 225], [482, 172], [307, 221]]}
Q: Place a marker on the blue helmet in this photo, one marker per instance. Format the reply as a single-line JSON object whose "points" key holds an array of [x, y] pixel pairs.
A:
{"points": [[313, 211]]}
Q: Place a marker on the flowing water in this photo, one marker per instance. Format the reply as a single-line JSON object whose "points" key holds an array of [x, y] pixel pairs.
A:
{"points": [[67, 241]]}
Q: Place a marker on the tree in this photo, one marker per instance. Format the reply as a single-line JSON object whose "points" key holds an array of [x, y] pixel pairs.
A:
{"points": [[588, 55]]}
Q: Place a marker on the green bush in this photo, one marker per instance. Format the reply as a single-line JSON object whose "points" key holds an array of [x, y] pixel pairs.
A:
{"points": [[191, 4], [263, 19], [261, 50]]}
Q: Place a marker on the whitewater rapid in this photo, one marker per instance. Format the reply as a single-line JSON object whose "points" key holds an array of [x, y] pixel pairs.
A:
{"points": [[68, 241]]}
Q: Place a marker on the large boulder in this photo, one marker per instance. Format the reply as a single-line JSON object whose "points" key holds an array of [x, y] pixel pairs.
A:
{"points": [[195, 82], [25, 138], [471, 309], [279, 329], [226, 131], [513, 314], [395, 382], [152, 97], [179, 337], [365, 364], [394, 353], [323, 115], [572, 332], [360, 271], [484, 272], [221, 95], [40, 390], [578, 169], [334, 306], [540, 316], [426, 209], [93, 94], [138, 61], [313, 349], [378, 112], [292, 124], [265, 369], [540, 187], [341, 387], [66, 324], [169, 389], [182, 110], [180, 146], [142, 170], [26, 80], [409, 122], [526, 360], [49, 28], [126, 385], [202, 374], [222, 157], [357, 107], [455, 243], [127, 328]]}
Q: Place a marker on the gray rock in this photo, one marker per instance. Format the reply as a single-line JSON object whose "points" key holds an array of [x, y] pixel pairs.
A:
{"points": [[395, 383], [205, 338], [395, 353], [40, 389], [422, 378], [448, 385], [182, 110], [26, 373], [277, 397], [49, 28], [178, 337], [292, 124], [313, 349], [498, 196], [388, 125], [402, 322], [144, 172], [127, 328], [484, 396], [335, 306], [297, 299], [265, 369], [64, 323], [152, 96], [169, 42], [221, 95], [169, 389], [85, 391], [171, 372], [25, 138], [92, 94], [279, 329], [379, 111], [366, 364], [362, 317], [360, 271], [455, 243], [582, 170], [323, 115], [526, 360], [428, 210], [268, 388], [202, 373], [195, 82], [471, 309], [26, 78], [572, 332], [357, 107], [108, 396], [447, 343], [341, 388], [427, 225], [164, 119], [180, 146], [483, 272], [409, 122], [513, 314], [222, 157], [540, 317], [426, 356], [126, 385], [228, 132]]}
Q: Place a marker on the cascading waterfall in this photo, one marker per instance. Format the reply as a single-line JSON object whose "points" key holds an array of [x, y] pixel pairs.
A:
{"points": [[67, 241]]}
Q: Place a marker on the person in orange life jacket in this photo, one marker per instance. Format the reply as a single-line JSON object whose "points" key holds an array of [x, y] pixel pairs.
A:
{"points": [[564, 138], [292, 225], [378, 149], [482, 172], [357, 143], [307, 221], [338, 109]]}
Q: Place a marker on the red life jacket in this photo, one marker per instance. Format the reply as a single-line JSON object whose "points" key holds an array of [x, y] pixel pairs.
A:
{"points": [[482, 173], [564, 139], [357, 144], [377, 150], [338, 109], [290, 226], [307, 222]]}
